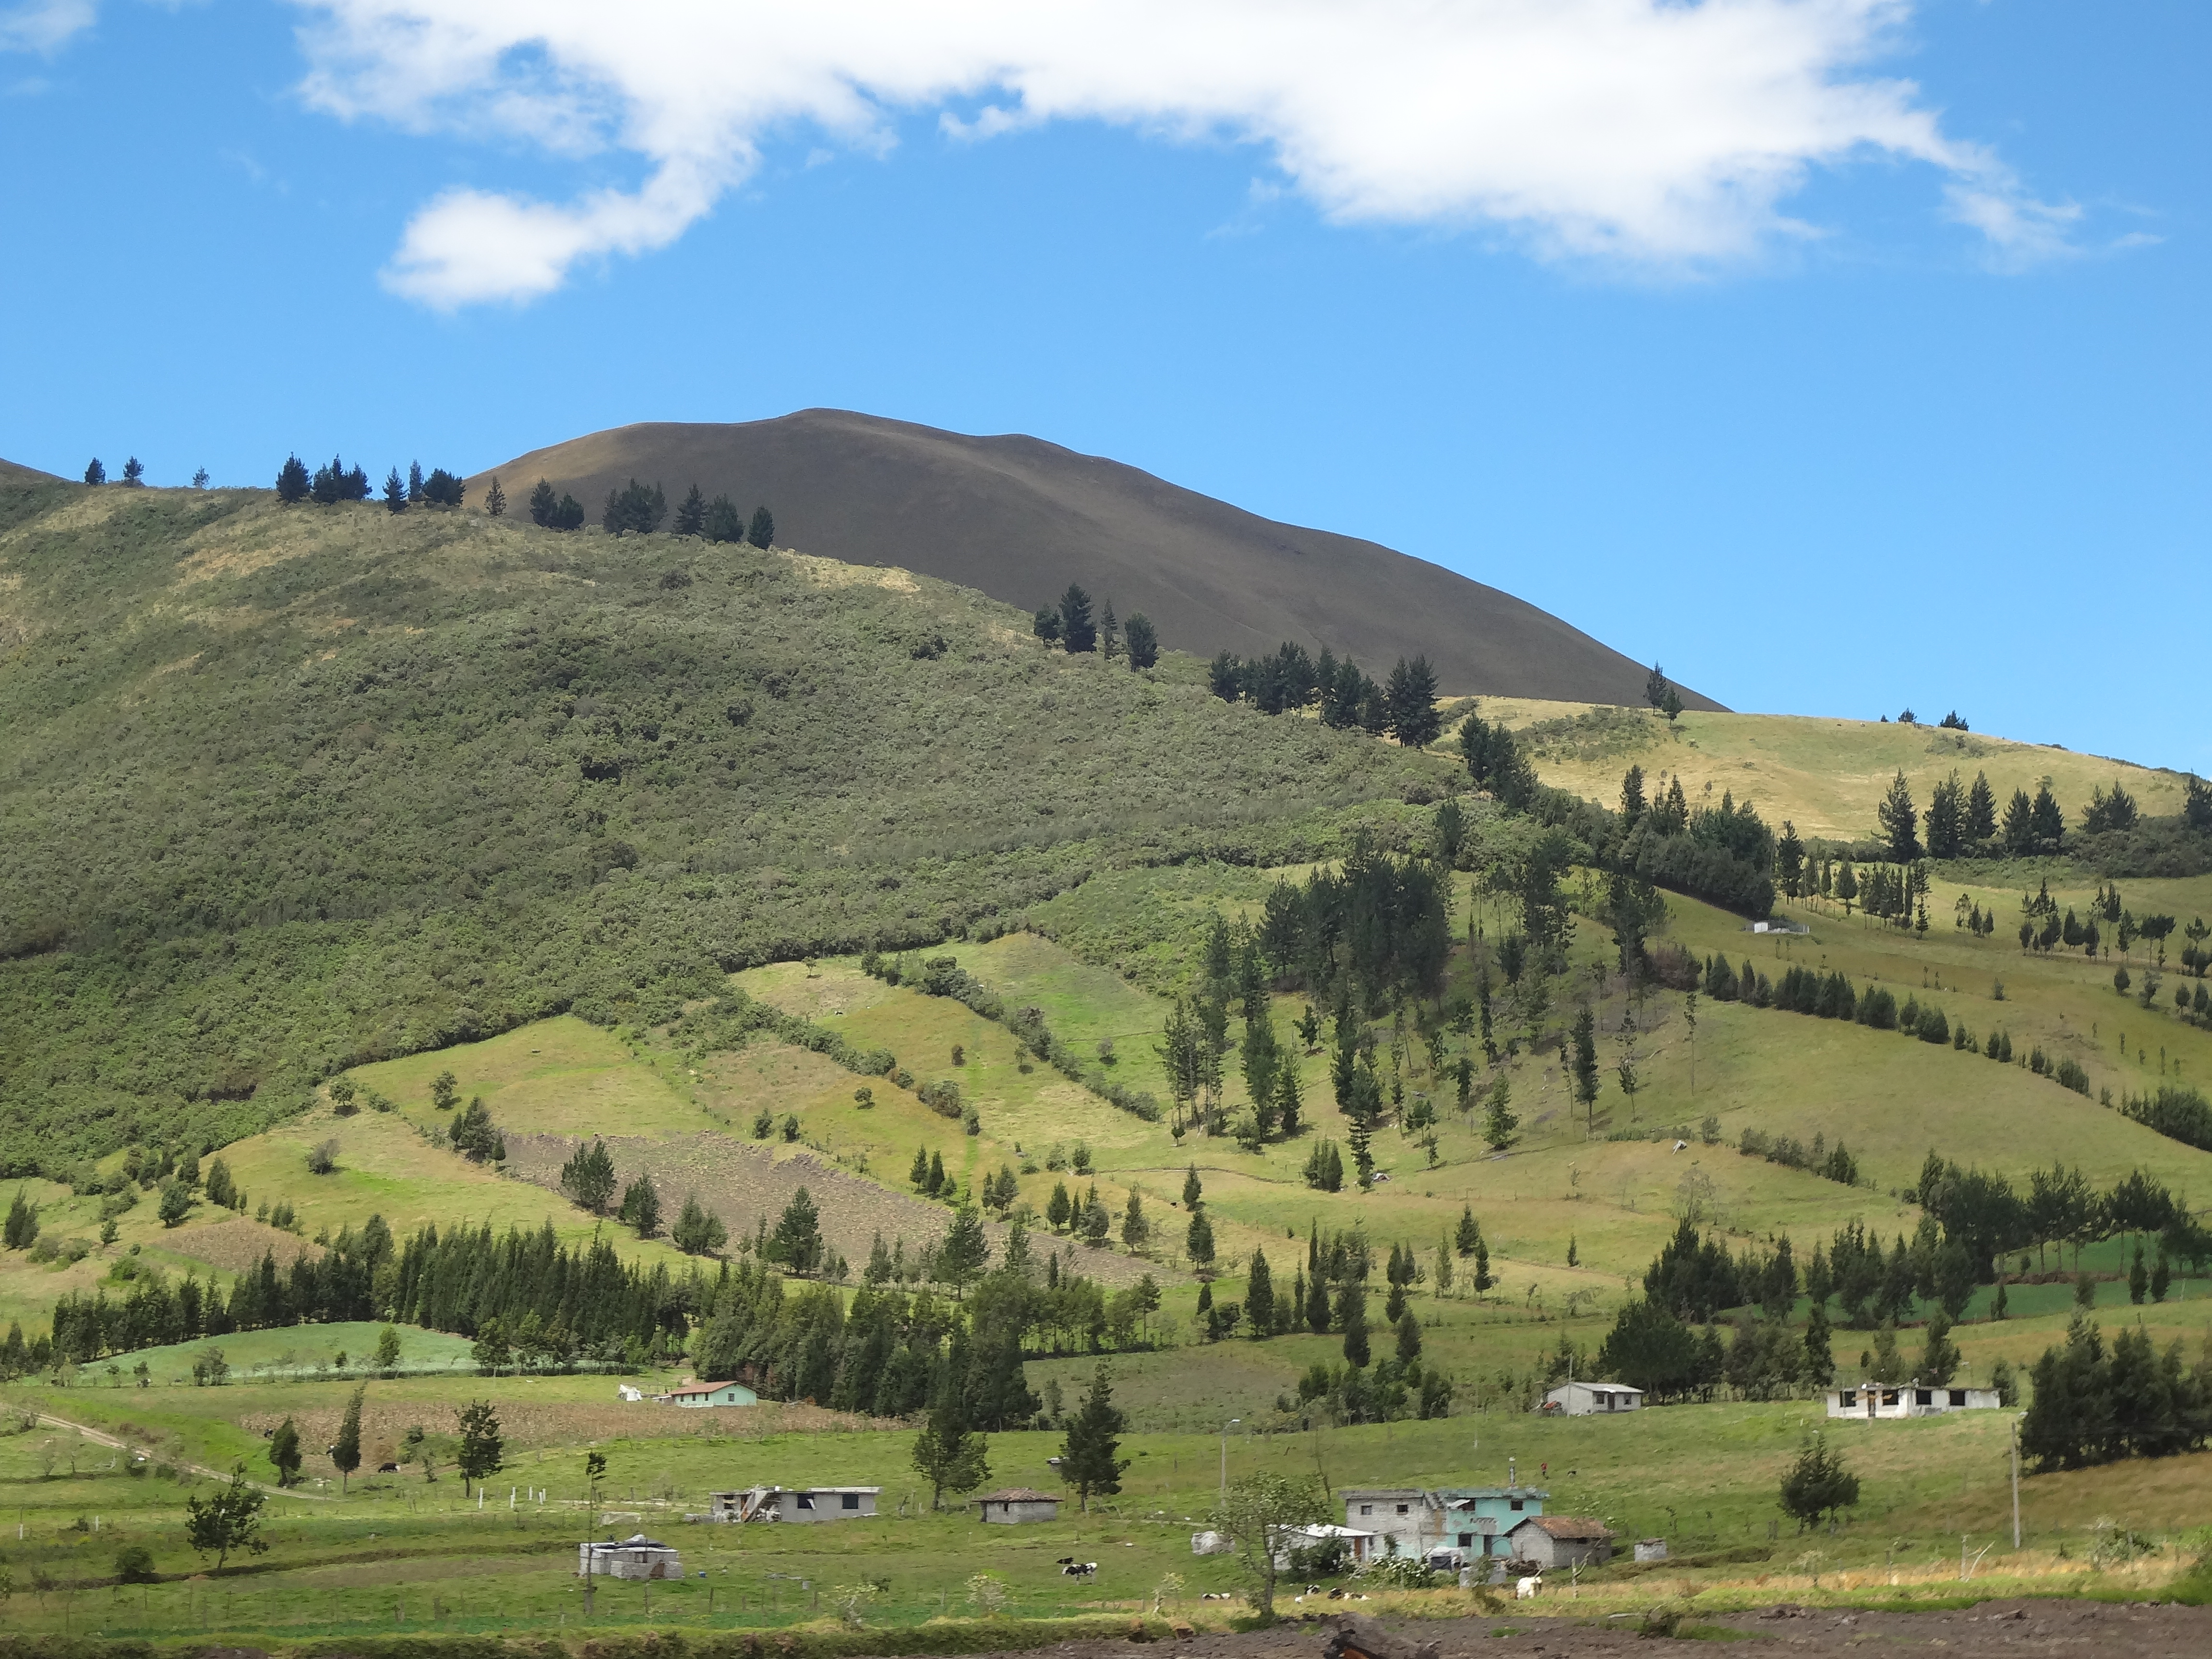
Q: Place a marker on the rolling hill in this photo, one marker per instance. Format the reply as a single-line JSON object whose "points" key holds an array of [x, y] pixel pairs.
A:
{"points": [[1020, 519], [291, 788]]}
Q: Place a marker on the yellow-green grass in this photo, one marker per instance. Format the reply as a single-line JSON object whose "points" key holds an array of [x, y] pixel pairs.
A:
{"points": [[1825, 775], [1702, 1476], [562, 1076]]}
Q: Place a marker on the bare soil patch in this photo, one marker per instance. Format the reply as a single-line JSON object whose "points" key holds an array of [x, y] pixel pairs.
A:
{"points": [[2010, 1628], [748, 1183], [240, 1243]]}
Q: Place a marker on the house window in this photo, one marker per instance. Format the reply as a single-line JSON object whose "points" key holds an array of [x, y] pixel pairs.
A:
{"points": [[805, 1502], [1849, 1397], [1367, 1509], [1923, 1396], [1958, 1397], [1516, 1503], [1466, 1538], [1402, 1509], [851, 1500]]}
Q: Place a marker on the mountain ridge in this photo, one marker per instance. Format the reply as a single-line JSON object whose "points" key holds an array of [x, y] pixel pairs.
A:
{"points": [[1033, 515]]}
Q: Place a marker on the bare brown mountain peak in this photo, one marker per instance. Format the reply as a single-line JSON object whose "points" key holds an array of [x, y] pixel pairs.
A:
{"points": [[1019, 518]]}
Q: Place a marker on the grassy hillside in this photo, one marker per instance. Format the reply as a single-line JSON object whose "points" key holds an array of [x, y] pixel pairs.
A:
{"points": [[1826, 775], [294, 788]]}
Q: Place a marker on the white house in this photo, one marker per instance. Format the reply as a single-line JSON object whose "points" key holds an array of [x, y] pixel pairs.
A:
{"points": [[712, 1394], [1561, 1540], [1410, 1521], [801, 1503], [635, 1556], [1590, 1400], [1018, 1504], [1872, 1401]]}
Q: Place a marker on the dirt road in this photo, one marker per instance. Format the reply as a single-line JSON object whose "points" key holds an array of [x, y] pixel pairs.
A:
{"points": [[2012, 1630]]}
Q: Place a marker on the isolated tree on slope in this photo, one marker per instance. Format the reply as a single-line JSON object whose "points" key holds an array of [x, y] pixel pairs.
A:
{"points": [[1143, 642], [1089, 1456]]}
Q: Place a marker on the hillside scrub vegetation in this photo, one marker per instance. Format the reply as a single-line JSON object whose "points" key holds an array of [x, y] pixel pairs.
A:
{"points": [[302, 787]]}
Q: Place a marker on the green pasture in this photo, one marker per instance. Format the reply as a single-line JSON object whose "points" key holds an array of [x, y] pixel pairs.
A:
{"points": [[402, 1554]]}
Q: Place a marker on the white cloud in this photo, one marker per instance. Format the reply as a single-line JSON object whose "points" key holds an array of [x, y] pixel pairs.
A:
{"points": [[1646, 132], [43, 25]]}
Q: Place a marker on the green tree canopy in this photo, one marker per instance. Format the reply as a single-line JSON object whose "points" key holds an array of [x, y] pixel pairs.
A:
{"points": [[1090, 1454], [227, 1521]]}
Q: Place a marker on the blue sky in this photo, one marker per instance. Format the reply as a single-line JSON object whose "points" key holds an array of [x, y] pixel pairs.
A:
{"points": [[1874, 373]]}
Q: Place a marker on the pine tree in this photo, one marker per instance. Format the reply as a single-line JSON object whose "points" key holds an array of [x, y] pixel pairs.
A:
{"points": [[284, 1454], [1900, 820], [1135, 1230], [1290, 1101], [918, 1175], [691, 516], [395, 493], [1198, 1242], [543, 505], [1981, 821], [496, 500], [1259, 1295], [1143, 640], [22, 1230], [966, 1249], [1089, 1458], [1193, 1190], [292, 482], [796, 1241], [1060, 1208], [723, 522], [2048, 822], [699, 1231], [345, 1453], [95, 473], [1109, 633], [1409, 1338], [1585, 1064], [2018, 827], [483, 1445], [1655, 687], [1410, 701], [1351, 1315], [761, 532], [937, 1182], [1078, 632], [1467, 1235], [641, 1207]]}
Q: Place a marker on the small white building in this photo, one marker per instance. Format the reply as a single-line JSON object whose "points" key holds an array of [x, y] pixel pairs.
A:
{"points": [[1562, 1541], [635, 1556], [1018, 1504], [800, 1503], [712, 1394], [1590, 1400], [1871, 1400]]}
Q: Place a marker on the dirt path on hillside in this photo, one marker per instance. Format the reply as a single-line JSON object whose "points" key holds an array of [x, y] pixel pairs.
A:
{"points": [[2012, 1630], [101, 1437]]}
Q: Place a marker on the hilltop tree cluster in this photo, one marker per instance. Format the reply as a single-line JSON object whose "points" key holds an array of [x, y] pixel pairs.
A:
{"points": [[1287, 680], [1071, 625], [335, 481]]}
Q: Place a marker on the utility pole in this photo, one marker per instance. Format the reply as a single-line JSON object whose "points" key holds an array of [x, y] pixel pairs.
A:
{"points": [[1225, 1427]]}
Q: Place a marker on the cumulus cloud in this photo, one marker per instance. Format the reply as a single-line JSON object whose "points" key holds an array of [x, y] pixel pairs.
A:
{"points": [[43, 25], [1643, 131]]}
